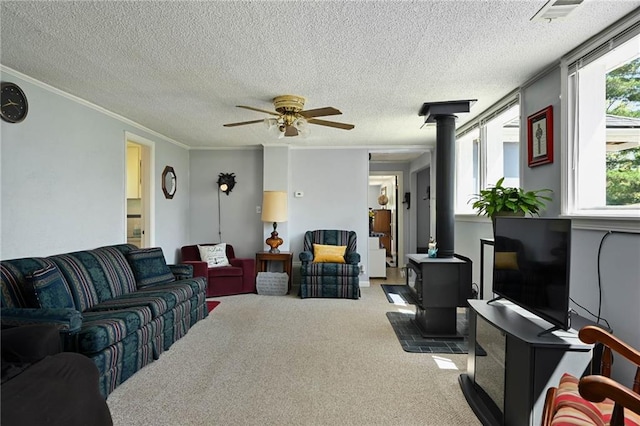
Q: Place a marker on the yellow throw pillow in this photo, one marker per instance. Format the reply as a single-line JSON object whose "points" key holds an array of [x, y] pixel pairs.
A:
{"points": [[506, 260], [328, 254]]}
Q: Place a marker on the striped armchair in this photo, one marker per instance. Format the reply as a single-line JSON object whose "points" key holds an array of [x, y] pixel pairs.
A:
{"points": [[330, 277]]}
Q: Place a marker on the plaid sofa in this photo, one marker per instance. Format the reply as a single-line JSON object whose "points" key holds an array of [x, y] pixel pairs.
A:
{"points": [[119, 305], [328, 279]]}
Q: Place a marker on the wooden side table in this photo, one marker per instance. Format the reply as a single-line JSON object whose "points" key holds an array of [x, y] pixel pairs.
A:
{"points": [[285, 257]]}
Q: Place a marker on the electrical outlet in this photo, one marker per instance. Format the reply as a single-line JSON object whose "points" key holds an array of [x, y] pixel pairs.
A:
{"points": [[258, 209]]}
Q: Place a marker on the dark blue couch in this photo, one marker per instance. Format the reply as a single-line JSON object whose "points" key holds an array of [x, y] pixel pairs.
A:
{"points": [[118, 305]]}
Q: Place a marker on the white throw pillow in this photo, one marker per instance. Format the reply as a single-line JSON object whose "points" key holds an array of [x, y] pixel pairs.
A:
{"points": [[214, 255]]}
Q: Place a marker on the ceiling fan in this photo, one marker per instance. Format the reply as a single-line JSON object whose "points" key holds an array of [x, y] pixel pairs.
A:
{"points": [[291, 118]]}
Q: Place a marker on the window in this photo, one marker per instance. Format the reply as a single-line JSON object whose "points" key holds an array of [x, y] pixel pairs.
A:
{"points": [[467, 170], [603, 170], [487, 151]]}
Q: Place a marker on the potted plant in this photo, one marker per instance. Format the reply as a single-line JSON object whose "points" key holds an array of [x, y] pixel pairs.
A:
{"points": [[498, 200]]}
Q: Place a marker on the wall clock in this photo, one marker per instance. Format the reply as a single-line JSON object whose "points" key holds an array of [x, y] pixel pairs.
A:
{"points": [[13, 103]]}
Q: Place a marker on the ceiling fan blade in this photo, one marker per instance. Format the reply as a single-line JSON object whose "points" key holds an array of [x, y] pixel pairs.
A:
{"points": [[319, 112], [258, 109], [331, 124], [291, 131], [242, 123]]}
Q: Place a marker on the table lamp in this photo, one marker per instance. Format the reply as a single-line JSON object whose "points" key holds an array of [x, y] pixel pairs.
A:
{"points": [[274, 209]]}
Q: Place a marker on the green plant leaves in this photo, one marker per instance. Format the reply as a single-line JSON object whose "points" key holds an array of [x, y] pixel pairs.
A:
{"points": [[498, 198]]}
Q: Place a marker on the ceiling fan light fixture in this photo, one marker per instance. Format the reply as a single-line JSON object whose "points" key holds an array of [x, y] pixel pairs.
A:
{"points": [[270, 123], [291, 118], [288, 103], [302, 125]]}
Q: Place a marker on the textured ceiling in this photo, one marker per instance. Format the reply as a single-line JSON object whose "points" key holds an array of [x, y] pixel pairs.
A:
{"points": [[179, 68]]}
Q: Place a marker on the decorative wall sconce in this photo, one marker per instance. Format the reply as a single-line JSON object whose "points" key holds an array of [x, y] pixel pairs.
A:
{"points": [[226, 182]]}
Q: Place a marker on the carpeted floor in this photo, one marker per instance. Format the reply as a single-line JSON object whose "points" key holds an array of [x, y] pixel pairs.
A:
{"points": [[281, 360]]}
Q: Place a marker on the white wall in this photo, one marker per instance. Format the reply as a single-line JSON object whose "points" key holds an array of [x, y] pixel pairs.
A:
{"points": [[63, 178], [374, 193]]}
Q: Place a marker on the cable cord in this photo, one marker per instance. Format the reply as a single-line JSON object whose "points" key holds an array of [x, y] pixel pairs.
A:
{"points": [[219, 221], [604, 237], [599, 315], [589, 312]]}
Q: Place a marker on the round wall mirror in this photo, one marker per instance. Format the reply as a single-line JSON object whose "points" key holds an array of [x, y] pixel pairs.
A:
{"points": [[169, 182]]}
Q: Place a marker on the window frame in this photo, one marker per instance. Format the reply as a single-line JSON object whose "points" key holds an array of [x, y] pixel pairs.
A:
{"points": [[610, 217], [479, 123]]}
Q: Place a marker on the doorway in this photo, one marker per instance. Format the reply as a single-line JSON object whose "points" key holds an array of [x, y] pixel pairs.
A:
{"points": [[139, 201], [387, 217]]}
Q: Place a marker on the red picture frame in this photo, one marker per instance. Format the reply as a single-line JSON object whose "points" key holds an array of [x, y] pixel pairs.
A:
{"points": [[540, 137]]}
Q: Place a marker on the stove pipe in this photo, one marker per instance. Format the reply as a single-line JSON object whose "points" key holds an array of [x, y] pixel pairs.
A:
{"points": [[445, 178], [442, 113]]}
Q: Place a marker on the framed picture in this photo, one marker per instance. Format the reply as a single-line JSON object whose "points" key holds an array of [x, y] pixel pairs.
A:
{"points": [[540, 137]]}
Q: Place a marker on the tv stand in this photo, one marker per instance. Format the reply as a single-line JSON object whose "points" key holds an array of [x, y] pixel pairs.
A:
{"points": [[507, 386]]}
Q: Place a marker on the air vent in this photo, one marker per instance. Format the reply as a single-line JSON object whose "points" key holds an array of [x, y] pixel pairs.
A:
{"points": [[556, 9]]}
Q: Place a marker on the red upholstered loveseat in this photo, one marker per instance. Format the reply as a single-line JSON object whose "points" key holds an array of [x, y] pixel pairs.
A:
{"points": [[237, 278]]}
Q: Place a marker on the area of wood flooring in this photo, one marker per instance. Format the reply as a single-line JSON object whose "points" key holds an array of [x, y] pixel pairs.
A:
{"points": [[394, 276]]}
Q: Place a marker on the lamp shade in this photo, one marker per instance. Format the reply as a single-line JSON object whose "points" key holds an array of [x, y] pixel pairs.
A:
{"points": [[274, 206]]}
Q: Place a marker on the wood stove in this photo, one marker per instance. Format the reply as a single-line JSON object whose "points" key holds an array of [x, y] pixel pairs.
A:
{"points": [[442, 284], [439, 286]]}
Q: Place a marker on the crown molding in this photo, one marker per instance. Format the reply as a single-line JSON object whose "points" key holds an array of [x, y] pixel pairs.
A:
{"points": [[84, 102]]}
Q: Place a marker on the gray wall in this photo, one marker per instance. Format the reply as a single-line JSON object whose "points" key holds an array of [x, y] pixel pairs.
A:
{"points": [[335, 183], [423, 206], [240, 225], [420, 164], [63, 178], [620, 269], [535, 97]]}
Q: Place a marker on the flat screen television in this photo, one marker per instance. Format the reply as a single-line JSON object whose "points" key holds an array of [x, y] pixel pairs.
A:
{"points": [[531, 266]]}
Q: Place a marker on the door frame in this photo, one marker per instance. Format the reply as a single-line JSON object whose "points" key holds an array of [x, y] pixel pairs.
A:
{"points": [[147, 171]]}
